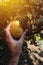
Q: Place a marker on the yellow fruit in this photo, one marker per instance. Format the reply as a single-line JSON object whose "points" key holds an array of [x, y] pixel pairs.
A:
{"points": [[16, 29]]}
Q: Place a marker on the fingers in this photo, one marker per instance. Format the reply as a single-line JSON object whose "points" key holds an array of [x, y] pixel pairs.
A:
{"points": [[8, 27], [6, 30], [23, 35]]}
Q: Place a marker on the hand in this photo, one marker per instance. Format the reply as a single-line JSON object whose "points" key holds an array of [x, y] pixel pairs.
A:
{"points": [[14, 45]]}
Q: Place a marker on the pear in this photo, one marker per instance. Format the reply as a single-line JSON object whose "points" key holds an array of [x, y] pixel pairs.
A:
{"points": [[16, 30]]}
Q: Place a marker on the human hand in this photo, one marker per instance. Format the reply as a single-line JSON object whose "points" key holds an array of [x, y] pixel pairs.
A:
{"points": [[13, 44]]}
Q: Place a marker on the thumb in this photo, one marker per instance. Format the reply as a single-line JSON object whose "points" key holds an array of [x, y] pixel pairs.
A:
{"points": [[23, 35]]}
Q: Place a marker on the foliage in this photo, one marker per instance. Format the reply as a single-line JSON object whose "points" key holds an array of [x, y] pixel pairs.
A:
{"points": [[33, 9]]}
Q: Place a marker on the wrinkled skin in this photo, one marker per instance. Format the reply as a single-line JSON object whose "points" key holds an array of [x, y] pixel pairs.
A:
{"points": [[15, 46]]}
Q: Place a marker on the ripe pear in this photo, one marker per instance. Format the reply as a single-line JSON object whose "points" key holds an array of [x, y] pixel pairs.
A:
{"points": [[16, 30]]}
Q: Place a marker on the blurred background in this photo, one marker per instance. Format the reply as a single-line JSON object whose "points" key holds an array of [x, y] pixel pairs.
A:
{"points": [[23, 10]]}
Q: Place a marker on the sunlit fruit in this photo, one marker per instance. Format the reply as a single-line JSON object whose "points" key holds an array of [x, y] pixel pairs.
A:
{"points": [[16, 30]]}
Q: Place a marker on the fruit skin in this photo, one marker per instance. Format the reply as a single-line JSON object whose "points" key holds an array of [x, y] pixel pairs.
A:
{"points": [[16, 30]]}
